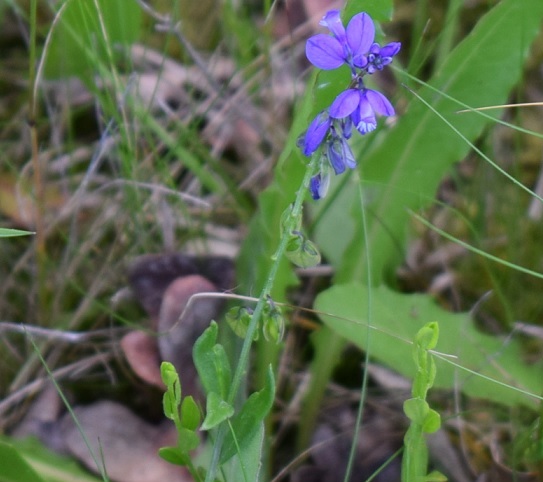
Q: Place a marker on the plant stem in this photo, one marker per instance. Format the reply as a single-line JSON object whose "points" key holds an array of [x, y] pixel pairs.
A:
{"points": [[253, 325], [39, 189]]}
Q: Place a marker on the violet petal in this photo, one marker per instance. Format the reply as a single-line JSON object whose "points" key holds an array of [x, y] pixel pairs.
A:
{"points": [[345, 103], [379, 103], [332, 20], [316, 132], [360, 34], [324, 52]]}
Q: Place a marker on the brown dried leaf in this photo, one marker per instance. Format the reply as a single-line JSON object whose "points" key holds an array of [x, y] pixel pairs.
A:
{"points": [[128, 445], [141, 352]]}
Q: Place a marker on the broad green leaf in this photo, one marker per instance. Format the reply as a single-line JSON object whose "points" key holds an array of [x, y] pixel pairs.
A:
{"points": [[416, 410], [379, 10], [188, 440], [217, 411], [401, 169], [21, 460], [190, 414], [248, 465], [247, 421], [9, 233], [14, 467], [212, 363], [396, 319], [85, 36], [432, 422], [173, 455]]}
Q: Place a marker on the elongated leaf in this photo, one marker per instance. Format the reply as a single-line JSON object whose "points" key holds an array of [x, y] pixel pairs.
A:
{"points": [[398, 317], [248, 465], [248, 421], [9, 233], [405, 168], [212, 363], [217, 411], [14, 467], [87, 32], [21, 460]]}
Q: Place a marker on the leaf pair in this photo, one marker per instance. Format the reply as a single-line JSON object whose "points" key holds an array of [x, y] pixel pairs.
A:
{"points": [[185, 414], [216, 377]]}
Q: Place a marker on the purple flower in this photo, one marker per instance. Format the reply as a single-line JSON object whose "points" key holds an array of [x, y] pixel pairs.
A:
{"points": [[379, 56], [340, 154], [345, 46], [318, 185], [330, 130], [316, 132], [361, 105]]}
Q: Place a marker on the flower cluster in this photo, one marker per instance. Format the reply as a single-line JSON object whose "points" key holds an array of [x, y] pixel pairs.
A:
{"points": [[356, 106]]}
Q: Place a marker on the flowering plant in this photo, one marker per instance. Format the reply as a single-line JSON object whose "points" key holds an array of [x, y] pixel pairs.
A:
{"points": [[357, 105]]}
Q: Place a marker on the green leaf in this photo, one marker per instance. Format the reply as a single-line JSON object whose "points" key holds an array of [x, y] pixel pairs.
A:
{"points": [[9, 233], [432, 422], [217, 411], [380, 10], [212, 363], [416, 409], [172, 397], [168, 373], [402, 168], [247, 421], [22, 459], [170, 378], [435, 476], [169, 406], [85, 36], [249, 463], [190, 414], [397, 318], [188, 440], [14, 467], [427, 337], [173, 455]]}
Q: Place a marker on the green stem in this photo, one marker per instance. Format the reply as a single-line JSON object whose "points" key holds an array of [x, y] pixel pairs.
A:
{"points": [[255, 319], [39, 189]]}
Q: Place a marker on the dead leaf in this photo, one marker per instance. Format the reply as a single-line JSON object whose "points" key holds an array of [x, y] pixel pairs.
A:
{"points": [[141, 352], [127, 444]]}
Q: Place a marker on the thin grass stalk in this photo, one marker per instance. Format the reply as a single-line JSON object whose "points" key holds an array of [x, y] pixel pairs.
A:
{"points": [[39, 188], [364, 386]]}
